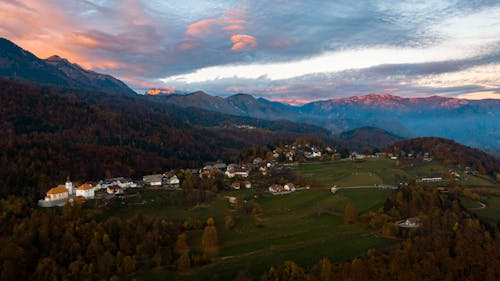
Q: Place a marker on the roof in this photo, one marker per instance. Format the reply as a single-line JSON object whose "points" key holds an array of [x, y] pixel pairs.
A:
{"points": [[85, 187], [57, 190], [157, 177]]}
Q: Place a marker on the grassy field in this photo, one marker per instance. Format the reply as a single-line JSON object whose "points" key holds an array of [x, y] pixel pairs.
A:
{"points": [[303, 226], [374, 171], [492, 211]]}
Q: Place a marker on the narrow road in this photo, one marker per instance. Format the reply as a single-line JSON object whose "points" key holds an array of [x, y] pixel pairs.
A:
{"points": [[368, 186]]}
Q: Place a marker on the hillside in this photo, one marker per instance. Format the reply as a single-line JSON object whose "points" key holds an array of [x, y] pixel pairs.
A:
{"points": [[21, 64], [450, 152], [48, 133], [366, 137]]}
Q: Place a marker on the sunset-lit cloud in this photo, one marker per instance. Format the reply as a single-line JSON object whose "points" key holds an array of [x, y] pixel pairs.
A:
{"points": [[243, 42], [291, 51]]}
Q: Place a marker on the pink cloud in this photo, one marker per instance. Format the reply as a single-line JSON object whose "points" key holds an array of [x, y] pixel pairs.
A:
{"points": [[209, 26], [234, 28], [186, 45], [242, 42]]}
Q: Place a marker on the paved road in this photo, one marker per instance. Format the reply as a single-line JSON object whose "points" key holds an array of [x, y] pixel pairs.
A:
{"points": [[368, 186]]}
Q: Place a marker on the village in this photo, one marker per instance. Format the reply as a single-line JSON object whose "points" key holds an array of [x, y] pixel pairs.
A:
{"points": [[236, 176]]}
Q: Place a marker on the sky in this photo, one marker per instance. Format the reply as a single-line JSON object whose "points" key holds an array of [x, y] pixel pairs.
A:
{"points": [[284, 50]]}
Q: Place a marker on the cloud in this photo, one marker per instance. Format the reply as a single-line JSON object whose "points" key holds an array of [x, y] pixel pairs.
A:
{"points": [[280, 49], [230, 20], [242, 42]]}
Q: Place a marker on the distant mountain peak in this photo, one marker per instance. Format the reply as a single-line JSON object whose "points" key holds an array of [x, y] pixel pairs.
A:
{"points": [[159, 91]]}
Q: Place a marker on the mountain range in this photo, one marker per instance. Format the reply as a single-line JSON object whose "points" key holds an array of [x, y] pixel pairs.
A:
{"points": [[18, 63], [472, 122]]}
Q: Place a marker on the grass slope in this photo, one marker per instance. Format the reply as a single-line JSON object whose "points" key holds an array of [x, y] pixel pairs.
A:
{"points": [[303, 226], [373, 171]]}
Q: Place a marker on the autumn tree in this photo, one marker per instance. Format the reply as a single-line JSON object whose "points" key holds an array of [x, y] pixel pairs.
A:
{"points": [[209, 240], [184, 262], [350, 213], [181, 245]]}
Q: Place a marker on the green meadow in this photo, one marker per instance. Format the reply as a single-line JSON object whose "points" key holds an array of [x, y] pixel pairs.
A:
{"points": [[303, 226]]}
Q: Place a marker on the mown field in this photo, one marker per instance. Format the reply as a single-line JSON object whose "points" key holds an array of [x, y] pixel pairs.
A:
{"points": [[490, 212], [303, 226], [373, 171]]}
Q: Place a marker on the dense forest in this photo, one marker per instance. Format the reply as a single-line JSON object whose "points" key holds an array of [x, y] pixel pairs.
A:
{"points": [[48, 133], [450, 152]]}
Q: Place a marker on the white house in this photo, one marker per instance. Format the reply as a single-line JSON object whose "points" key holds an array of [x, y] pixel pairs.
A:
{"points": [[289, 187], [237, 171], [153, 180], [409, 223], [173, 180], [85, 190]]}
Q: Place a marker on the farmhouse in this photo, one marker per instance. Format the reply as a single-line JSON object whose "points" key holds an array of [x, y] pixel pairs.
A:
{"points": [[235, 185], [409, 223], [430, 179], [240, 171], [85, 190], [275, 188], [173, 181], [247, 184], [153, 180], [289, 187], [114, 189]]}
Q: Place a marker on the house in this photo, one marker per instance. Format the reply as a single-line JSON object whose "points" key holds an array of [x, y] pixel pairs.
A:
{"points": [[276, 188], [114, 189], [240, 171], [85, 190], [153, 180], [289, 187], [257, 161], [235, 185], [409, 223], [232, 200], [247, 184], [430, 179], [120, 181], [333, 189], [57, 196], [173, 181]]}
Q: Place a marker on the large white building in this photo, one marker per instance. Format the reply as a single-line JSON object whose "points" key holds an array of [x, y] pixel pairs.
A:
{"points": [[57, 196], [85, 190]]}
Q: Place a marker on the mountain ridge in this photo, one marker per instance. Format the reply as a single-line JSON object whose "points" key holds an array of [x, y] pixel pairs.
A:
{"points": [[19, 63]]}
